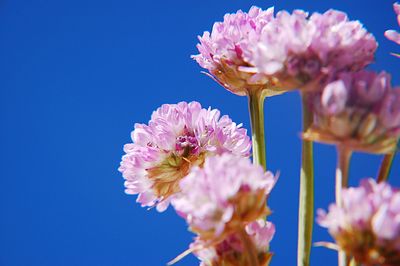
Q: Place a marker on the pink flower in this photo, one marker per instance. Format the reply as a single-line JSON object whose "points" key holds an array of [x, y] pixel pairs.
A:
{"points": [[301, 50], [257, 51], [221, 51], [367, 226], [392, 34], [226, 193], [231, 250], [359, 110], [177, 137]]}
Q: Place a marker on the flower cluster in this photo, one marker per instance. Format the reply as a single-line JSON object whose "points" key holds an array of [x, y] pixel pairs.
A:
{"points": [[232, 252], [198, 161], [224, 203], [178, 137], [367, 225], [359, 110], [221, 51], [227, 192], [283, 52]]}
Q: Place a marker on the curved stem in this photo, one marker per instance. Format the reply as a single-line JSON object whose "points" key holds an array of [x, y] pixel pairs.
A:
{"points": [[386, 166], [256, 108], [250, 248], [306, 201], [342, 180]]}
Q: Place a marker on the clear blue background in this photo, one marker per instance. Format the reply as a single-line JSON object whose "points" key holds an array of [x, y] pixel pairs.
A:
{"points": [[74, 78]]}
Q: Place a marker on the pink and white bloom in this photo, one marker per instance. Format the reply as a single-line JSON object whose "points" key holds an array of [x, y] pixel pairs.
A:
{"points": [[301, 50], [178, 137], [232, 252], [358, 109], [392, 34], [221, 51], [367, 225], [227, 193]]}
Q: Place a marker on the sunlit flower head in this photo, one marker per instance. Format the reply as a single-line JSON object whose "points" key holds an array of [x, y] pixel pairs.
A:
{"points": [[178, 137], [226, 193], [221, 51], [367, 225], [259, 51], [392, 34], [300, 51], [231, 250], [359, 110]]}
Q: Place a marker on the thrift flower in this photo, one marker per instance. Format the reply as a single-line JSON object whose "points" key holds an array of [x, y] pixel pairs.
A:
{"points": [[227, 193], [359, 110], [299, 50], [178, 137], [231, 251], [367, 226], [257, 51], [221, 51]]}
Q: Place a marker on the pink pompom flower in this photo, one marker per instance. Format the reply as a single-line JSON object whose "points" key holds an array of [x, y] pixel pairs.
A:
{"points": [[359, 110], [178, 137], [223, 196], [367, 225], [232, 251], [300, 51], [257, 51], [222, 50]]}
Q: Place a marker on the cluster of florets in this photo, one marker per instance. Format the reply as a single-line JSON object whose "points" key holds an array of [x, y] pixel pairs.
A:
{"points": [[359, 110], [232, 252], [367, 224], [178, 137], [260, 51], [197, 160], [223, 203]]}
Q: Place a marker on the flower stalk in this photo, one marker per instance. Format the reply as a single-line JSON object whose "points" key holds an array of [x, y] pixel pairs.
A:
{"points": [[306, 202], [256, 109], [342, 180]]}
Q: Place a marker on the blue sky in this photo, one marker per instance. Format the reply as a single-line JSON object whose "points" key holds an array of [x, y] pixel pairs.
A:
{"points": [[76, 76]]}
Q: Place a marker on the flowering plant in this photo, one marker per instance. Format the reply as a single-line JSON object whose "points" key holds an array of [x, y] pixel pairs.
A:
{"points": [[199, 161]]}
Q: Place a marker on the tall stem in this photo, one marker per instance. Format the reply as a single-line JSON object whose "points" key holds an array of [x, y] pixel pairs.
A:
{"points": [[342, 180], [386, 166], [306, 201], [250, 248], [256, 107]]}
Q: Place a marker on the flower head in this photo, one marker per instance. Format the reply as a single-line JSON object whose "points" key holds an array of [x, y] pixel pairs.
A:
{"points": [[392, 34], [226, 193], [301, 50], [260, 51], [178, 137], [367, 225], [221, 51], [231, 250], [359, 110]]}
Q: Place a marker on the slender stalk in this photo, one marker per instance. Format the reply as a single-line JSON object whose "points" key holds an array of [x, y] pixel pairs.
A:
{"points": [[250, 248], [342, 180], [256, 108], [306, 201], [386, 166]]}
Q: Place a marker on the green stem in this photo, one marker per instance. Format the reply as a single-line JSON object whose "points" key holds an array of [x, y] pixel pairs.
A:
{"points": [[386, 166], [256, 107], [342, 180], [306, 204]]}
